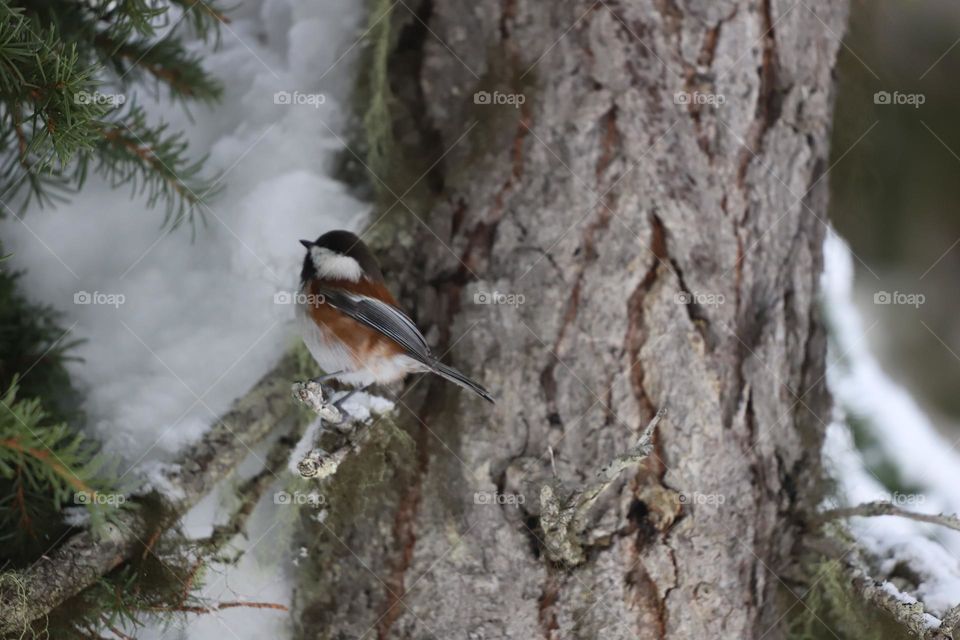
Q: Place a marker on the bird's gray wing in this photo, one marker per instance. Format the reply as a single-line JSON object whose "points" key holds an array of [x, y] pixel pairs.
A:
{"points": [[382, 318]]}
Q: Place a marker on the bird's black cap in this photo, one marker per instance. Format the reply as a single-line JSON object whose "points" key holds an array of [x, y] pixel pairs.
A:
{"points": [[344, 243]]}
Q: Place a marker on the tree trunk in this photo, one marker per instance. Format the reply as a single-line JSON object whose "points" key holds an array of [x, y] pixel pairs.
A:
{"points": [[655, 208]]}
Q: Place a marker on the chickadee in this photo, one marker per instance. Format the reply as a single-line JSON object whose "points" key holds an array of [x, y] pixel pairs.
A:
{"points": [[353, 326]]}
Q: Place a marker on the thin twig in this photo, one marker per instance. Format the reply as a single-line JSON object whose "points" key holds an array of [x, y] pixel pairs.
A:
{"points": [[250, 492], [223, 605], [881, 508], [114, 630]]}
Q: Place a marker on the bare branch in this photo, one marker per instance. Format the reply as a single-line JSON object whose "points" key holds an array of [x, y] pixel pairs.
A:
{"points": [[564, 520], [881, 508]]}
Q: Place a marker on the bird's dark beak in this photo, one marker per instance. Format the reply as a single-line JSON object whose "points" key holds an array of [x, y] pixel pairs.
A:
{"points": [[307, 244]]}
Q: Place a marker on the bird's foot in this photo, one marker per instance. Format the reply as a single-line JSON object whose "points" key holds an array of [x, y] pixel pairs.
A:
{"points": [[311, 394]]}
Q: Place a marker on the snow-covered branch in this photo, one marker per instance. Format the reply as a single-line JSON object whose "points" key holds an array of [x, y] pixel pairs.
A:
{"points": [[310, 459], [31, 593], [903, 608], [897, 432]]}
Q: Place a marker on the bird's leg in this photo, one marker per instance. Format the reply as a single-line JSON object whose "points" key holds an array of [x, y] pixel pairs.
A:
{"points": [[339, 402], [325, 377], [315, 395]]}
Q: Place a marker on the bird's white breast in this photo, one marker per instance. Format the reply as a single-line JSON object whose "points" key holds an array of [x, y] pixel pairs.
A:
{"points": [[326, 349], [333, 356]]}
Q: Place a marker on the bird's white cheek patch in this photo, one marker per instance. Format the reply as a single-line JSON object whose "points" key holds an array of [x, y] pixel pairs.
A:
{"points": [[335, 266]]}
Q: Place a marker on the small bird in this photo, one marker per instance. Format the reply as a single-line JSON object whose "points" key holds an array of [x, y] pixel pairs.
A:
{"points": [[353, 326]]}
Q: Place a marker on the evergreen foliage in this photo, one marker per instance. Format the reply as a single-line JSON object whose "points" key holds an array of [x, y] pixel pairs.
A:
{"points": [[67, 69], [33, 353], [69, 74], [46, 466], [158, 583], [35, 347]]}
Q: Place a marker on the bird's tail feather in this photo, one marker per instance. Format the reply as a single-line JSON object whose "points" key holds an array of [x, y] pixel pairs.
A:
{"points": [[456, 377]]}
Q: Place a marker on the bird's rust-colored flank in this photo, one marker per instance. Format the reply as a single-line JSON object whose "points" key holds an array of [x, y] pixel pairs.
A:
{"points": [[363, 342]]}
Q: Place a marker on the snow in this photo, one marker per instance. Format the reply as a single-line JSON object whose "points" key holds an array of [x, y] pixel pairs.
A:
{"points": [[362, 406], [304, 446], [261, 575], [930, 621], [177, 329], [904, 435], [905, 598], [157, 475]]}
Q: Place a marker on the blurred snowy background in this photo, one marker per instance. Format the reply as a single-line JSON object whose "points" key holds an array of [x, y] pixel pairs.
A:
{"points": [[890, 288]]}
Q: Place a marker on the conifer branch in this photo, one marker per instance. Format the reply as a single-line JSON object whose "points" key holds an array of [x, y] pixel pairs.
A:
{"points": [[46, 457], [47, 461], [30, 594], [56, 118]]}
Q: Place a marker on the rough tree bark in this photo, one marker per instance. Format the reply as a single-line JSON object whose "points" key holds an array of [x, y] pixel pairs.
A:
{"points": [[668, 255]]}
